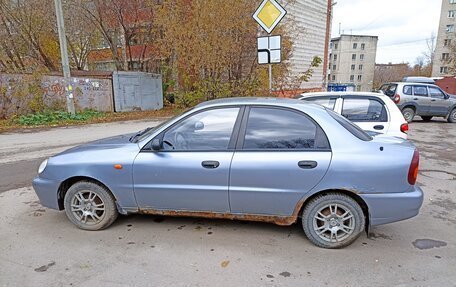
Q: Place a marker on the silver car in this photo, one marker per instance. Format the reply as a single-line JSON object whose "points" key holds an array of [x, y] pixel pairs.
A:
{"points": [[419, 99], [271, 160]]}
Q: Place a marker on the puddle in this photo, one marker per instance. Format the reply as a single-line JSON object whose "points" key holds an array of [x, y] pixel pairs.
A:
{"points": [[423, 244]]}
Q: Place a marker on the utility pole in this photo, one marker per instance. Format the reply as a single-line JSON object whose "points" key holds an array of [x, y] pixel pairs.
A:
{"points": [[64, 56]]}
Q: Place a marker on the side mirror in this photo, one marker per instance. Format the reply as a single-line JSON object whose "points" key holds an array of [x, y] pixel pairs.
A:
{"points": [[199, 126], [447, 96], [157, 144]]}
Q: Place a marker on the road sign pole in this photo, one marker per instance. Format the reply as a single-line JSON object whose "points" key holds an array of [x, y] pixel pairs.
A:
{"points": [[64, 55], [270, 78]]}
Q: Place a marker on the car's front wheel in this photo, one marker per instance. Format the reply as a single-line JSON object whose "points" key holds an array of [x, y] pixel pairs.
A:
{"points": [[90, 206], [409, 114], [333, 220], [452, 116]]}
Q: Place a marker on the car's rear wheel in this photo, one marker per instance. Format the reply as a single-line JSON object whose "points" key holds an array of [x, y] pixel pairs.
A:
{"points": [[409, 114], [333, 220], [90, 206], [427, 118], [452, 116]]}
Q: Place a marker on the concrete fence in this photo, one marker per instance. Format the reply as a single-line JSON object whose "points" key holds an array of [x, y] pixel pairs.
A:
{"points": [[91, 90]]}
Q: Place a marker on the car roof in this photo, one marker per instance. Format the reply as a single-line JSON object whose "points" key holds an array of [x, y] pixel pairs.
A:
{"points": [[358, 94], [256, 101], [410, 83]]}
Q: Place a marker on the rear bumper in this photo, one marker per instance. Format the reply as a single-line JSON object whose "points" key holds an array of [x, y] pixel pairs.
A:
{"points": [[391, 207], [47, 190]]}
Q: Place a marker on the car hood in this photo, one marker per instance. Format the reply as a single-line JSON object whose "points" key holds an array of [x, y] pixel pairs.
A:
{"points": [[102, 144]]}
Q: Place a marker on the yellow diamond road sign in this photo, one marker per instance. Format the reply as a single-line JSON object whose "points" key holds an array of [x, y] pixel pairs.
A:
{"points": [[269, 14]]}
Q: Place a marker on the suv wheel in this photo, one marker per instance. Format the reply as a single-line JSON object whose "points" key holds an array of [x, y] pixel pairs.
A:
{"points": [[426, 118], [452, 116], [409, 114]]}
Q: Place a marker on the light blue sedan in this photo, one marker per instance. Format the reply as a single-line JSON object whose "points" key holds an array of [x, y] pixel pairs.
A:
{"points": [[256, 159]]}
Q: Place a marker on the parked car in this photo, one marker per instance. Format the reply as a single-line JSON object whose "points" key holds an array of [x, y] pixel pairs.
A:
{"points": [[373, 112], [270, 160], [424, 100]]}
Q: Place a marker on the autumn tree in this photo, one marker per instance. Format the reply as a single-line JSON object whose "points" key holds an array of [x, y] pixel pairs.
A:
{"points": [[28, 39]]}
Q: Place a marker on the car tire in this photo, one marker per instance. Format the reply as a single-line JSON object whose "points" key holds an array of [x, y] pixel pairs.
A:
{"points": [[90, 206], [408, 114], [427, 118], [333, 220], [452, 116]]}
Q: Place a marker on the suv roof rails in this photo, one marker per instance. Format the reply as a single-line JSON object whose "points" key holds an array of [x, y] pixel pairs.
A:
{"points": [[421, 80]]}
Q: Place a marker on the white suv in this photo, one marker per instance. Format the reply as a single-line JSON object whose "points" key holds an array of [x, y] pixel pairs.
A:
{"points": [[373, 112]]}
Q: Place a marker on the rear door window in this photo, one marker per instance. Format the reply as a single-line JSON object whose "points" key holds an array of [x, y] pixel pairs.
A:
{"points": [[389, 89], [328, 102], [420, 91], [279, 129], [407, 90], [364, 110]]}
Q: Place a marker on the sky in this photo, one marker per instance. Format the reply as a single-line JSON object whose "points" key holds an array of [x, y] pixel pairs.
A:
{"points": [[402, 26]]}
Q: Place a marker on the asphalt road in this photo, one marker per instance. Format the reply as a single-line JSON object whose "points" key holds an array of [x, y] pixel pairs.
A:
{"points": [[40, 247]]}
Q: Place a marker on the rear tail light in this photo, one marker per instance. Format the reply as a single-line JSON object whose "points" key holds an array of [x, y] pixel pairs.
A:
{"points": [[396, 99], [414, 166], [405, 128]]}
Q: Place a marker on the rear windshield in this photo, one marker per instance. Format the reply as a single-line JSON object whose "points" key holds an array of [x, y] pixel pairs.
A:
{"points": [[327, 102], [349, 126], [389, 89]]}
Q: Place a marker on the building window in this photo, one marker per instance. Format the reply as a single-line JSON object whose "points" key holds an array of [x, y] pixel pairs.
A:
{"points": [[336, 46], [355, 46], [447, 42], [335, 57], [358, 88], [451, 13], [445, 56], [334, 77], [450, 28], [360, 78], [354, 57], [363, 46], [353, 67], [443, 70], [361, 57], [360, 67], [452, 1], [352, 78], [329, 77]]}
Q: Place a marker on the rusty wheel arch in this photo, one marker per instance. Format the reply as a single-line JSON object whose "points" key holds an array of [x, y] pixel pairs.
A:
{"points": [[66, 184]]}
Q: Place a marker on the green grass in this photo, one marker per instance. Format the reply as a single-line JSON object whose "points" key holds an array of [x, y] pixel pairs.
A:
{"points": [[57, 117]]}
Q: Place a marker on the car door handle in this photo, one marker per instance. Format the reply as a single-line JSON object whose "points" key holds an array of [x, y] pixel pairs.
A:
{"points": [[433, 100], [307, 164], [379, 127], [415, 99], [210, 164]]}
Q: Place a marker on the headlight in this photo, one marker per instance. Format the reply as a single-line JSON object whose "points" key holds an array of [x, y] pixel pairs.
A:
{"points": [[42, 166]]}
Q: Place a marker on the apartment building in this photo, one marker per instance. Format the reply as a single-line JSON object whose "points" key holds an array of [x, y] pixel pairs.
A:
{"points": [[313, 19], [352, 62], [445, 38]]}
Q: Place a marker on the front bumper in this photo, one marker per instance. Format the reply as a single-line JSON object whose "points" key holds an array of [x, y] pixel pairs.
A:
{"points": [[391, 207], [47, 191]]}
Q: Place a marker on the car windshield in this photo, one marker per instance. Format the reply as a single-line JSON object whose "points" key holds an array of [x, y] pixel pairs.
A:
{"points": [[143, 134], [349, 126]]}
